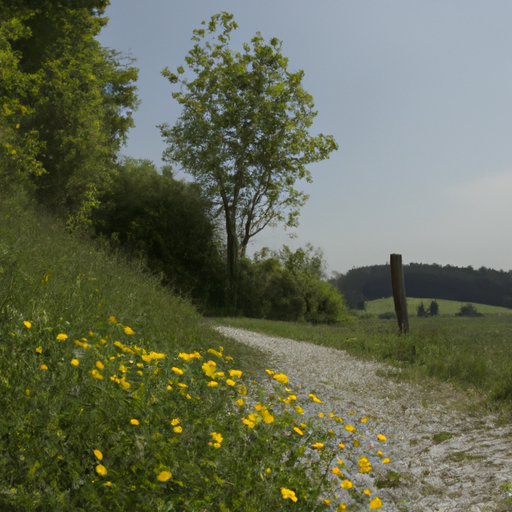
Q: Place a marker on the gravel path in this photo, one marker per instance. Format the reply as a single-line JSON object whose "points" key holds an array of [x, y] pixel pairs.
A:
{"points": [[448, 460]]}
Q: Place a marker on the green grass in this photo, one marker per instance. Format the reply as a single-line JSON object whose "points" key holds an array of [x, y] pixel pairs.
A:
{"points": [[473, 353], [446, 307], [116, 395]]}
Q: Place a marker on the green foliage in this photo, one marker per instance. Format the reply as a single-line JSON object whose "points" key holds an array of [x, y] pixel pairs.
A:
{"points": [[286, 285], [73, 108], [167, 224], [433, 309], [421, 310], [468, 310], [144, 411], [243, 132]]}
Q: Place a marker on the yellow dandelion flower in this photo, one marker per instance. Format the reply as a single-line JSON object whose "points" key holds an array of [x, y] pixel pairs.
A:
{"points": [[364, 419], [214, 352], [75, 362], [356, 443], [229, 358], [267, 417], [96, 374], [248, 422], [124, 384], [39, 350], [320, 414], [177, 371], [100, 365], [235, 373], [134, 422], [27, 324], [379, 453], [240, 402], [128, 330], [341, 446], [230, 382], [318, 446], [270, 372], [217, 437], [299, 409], [242, 390], [212, 384], [101, 470], [280, 377], [346, 484], [108, 484], [288, 494], [175, 421], [386, 460], [375, 503], [98, 454], [163, 476], [43, 367], [337, 472], [268, 470], [349, 427], [341, 507], [381, 437], [314, 398], [209, 368], [62, 336], [367, 492], [169, 388], [178, 429], [112, 320], [298, 430], [182, 385], [327, 501]]}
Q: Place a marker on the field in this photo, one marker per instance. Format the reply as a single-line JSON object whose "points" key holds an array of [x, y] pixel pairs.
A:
{"points": [[446, 307]]}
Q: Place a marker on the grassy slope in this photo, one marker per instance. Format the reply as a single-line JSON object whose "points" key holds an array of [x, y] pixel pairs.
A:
{"points": [[446, 307]]}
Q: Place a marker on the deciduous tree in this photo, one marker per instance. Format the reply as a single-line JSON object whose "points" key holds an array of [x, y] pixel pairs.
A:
{"points": [[243, 133]]}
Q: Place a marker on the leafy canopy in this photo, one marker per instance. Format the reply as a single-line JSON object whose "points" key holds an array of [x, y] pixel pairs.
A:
{"points": [[243, 131]]}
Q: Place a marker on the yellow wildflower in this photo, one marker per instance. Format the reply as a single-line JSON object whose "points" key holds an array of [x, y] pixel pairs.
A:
{"points": [[96, 374], [230, 382], [212, 384], [386, 460], [235, 373], [349, 428], [27, 324], [346, 484], [39, 350], [364, 419], [299, 409], [188, 357], [314, 398], [178, 371], [280, 377], [375, 503], [341, 446], [178, 429], [134, 422], [101, 470], [100, 365], [318, 446], [298, 430], [337, 471], [381, 437], [267, 417], [128, 330], [43, 367], [75, 362], [288, 494], [112, 320], [164, 476], [209, 368], [214, 352], [367, 492], [270, 372], [62, 336], [98, 454], [240, 402]]}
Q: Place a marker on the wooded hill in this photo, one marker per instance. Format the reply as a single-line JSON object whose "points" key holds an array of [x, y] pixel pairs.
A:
{"points": [[464, 284]]}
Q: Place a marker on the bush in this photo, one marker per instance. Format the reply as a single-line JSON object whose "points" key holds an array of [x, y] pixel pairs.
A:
{"points": [[288, 286], [468, 310]]}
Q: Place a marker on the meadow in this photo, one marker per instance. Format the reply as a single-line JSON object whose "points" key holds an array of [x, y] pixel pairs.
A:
{"points": [[117, 395]]}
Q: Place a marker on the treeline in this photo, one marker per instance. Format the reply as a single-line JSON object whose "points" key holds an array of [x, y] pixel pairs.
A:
{"points": [[463, 284], [66, 107]]}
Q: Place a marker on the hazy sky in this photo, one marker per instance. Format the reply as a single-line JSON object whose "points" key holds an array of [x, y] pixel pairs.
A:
{"points": [[418, 95]]}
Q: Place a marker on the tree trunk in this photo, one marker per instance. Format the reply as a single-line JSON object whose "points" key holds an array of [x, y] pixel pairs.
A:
{"points": [[232, 259]]}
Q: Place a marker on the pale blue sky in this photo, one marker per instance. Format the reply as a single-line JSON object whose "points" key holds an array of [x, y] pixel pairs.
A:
{"points": [[418, 95]]}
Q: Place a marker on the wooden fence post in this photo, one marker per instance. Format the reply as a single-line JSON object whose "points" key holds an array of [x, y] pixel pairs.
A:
{"points": [[397, 283]]}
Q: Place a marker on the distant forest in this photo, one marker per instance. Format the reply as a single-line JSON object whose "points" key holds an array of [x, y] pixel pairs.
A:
{"points": [[464, 284]]}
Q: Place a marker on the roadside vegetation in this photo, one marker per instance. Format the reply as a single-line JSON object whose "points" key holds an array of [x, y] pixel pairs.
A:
{"points": [[116, 395]]}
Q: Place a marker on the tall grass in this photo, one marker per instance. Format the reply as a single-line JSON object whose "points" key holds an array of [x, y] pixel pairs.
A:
{"points": [[473, 353], [115, 395]]}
